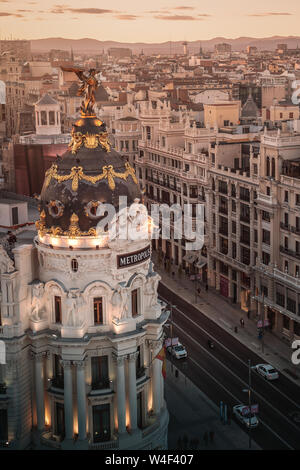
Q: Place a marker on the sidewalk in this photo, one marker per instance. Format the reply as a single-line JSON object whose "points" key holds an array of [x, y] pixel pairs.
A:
{"points": [[227, 315], [192, 414]]}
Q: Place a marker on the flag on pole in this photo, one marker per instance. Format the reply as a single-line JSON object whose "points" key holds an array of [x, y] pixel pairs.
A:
{"points": [[162, 357]]}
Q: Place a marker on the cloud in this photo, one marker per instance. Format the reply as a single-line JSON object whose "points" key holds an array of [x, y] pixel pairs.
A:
{"points": [[271, 13], [176, 18], [91, 11], [183, 8], [16, 15], [127, 17]]}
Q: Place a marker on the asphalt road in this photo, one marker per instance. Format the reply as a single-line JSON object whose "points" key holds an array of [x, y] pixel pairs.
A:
{"points": [[222, 374]]}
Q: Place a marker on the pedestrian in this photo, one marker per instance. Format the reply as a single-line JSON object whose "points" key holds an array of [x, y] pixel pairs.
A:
{"points": [[211, 436], [206, 287], [173, 274], [248, 314], [199, 291], [205, 438], [242, 322], [235, 329], [185, 441]]}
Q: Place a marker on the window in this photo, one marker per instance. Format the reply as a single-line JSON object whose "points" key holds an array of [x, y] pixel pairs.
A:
{"points": [[98, 311], [266, 216], [291, 115], [265, 258], [100, 377], [286, 219], [224, 245], [233, 250], [223, 187], [101, 423], [266, 237], [15, 215], [51, 118], [57, 308], [134, 303], [245, 255], [58, 373], [233, 224], [43, 118], [74, 265], [3, 426], [245, 213], [286, 196], [245, 194], [297, 199], [233, 206], [268, 191], [60, 420], [245, 234]]}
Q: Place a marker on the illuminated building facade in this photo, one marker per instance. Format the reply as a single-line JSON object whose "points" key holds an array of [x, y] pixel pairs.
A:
{"points": [[80, 316]]}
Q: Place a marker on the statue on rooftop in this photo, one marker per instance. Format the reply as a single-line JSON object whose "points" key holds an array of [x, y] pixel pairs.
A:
{"points": [[89, 85]]}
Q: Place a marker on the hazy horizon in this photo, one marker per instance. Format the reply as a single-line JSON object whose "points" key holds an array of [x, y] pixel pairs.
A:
{"points": [[164, 20]]}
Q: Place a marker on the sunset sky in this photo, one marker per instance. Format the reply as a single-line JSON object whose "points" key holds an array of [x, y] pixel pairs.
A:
{"points": [[148, 21]]}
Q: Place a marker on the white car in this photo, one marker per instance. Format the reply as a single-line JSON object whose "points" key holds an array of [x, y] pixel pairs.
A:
{"points": [[239, 412], [178, 350], [267, 371]]}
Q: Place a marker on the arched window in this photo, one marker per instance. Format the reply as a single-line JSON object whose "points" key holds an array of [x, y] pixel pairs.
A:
{"points": [[74, 265]]}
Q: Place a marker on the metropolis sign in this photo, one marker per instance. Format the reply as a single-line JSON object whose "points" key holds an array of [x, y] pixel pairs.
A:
{"points": [[130, 259]]}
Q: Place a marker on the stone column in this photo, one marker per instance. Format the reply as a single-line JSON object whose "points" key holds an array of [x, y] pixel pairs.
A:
{"points": [[39, 391], [156, 385], [68, 398], [132, 390], [121, 394], [81, 399]]}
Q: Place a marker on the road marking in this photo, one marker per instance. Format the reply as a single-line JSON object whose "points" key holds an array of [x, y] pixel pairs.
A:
{"points": [[232, 353], [238, 401], [238, 378]]}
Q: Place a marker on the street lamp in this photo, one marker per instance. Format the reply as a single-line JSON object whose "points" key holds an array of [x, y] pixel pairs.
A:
{"points": [[171, 306], [248, 390]]}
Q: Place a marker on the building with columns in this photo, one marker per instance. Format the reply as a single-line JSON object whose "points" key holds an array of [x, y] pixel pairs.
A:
{"points": [[80, 317]]}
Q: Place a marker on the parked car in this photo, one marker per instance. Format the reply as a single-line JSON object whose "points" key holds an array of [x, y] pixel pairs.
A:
{"points": [[241, 413], [178, 351], [267, 371]]}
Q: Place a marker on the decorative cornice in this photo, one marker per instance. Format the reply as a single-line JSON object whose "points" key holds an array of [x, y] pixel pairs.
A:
{"points": [[78, 174]]}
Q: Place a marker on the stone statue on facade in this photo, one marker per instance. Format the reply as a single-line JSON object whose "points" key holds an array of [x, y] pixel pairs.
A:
{"points": [[120, 300], [71, 304], [6, 264], [37, 296]]}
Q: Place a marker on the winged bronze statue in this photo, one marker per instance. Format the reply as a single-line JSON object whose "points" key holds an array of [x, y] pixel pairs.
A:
{"points": [[89, 85]]}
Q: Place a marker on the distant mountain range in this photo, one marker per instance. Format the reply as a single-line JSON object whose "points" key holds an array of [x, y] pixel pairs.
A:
{"points": [[95, 46]]}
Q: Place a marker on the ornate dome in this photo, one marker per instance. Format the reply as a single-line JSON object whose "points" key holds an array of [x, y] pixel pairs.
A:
{"points": [[88, 174]]}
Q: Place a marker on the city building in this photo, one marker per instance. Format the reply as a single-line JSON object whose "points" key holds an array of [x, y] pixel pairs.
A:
{"points": [[82, 371]]}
